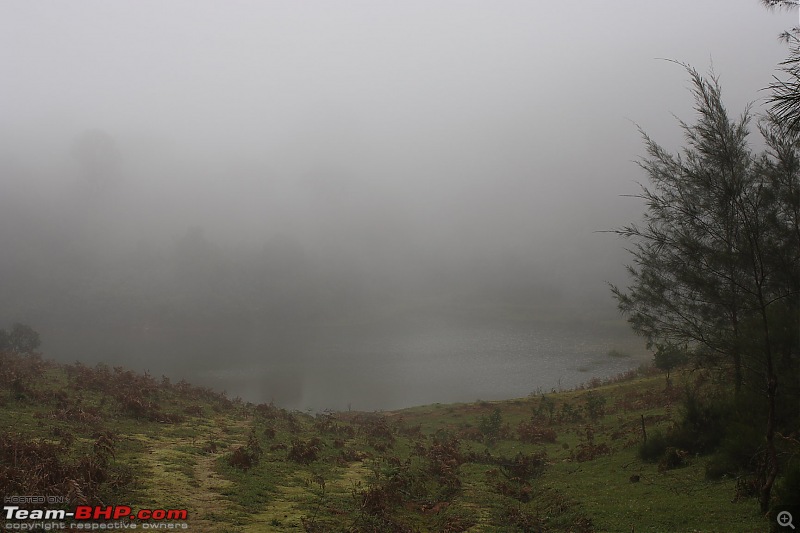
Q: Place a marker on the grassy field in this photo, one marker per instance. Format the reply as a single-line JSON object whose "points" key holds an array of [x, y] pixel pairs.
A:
{"points": [[562, 461]]}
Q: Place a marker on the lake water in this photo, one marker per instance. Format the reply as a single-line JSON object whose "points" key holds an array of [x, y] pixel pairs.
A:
{"points": [[430, 360], [401, 361]]}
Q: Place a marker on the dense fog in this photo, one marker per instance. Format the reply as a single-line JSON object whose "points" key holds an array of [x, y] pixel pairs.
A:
{"points": [[257, 195]]}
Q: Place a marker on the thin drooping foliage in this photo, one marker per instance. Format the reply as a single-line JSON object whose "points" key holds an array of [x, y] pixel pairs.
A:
{"points": [[785, 98], [785, 90], [716, 261]]}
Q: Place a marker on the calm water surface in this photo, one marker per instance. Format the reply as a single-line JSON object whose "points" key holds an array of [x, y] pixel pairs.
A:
{"points": [[388, 364], [425, 361]]}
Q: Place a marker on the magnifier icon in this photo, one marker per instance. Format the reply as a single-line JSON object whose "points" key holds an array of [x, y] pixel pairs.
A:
{"points": [[785, 519]]}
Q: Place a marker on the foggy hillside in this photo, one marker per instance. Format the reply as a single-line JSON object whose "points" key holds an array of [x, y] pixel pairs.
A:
{"points": [[250, 193]]}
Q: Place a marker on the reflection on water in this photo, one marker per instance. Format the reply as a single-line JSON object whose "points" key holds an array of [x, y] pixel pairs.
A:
{"points": [[388, 367], [388, 364]]}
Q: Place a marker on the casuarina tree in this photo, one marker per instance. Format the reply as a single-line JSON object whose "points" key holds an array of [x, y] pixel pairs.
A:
{"points": [[716, 261]]}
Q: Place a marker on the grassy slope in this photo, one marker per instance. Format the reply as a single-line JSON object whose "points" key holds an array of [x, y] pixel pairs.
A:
{"points": [[370, 472]]}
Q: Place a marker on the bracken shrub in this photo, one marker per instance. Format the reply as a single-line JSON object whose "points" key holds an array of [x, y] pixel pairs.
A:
{"points": [[242, 458], [673, 458], [35, 466], [589, 450], [327, 423], [512, 477], [532, 433], [305, 451], [19, 373], [444, 457], [520, 520], [247, 456]]}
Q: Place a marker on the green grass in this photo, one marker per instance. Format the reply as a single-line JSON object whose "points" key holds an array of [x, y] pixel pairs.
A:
{"points": [[387, 471]]}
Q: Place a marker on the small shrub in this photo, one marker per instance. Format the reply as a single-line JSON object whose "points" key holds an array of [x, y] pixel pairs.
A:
{"points": [[746, 487], [491, 426], [595, 405], [531, 433], [376, 429], [547, 406], [444, 457], [242, 459], [210, 446], [672, 458], [247, 456], [588, 451], [568, 413], [703, 425], [512, 477], [525, 466], [787, 489], [327, 423], [305, 452], [717, 468], [193, 410], [653, 448], [740, 451], [35, 466]]}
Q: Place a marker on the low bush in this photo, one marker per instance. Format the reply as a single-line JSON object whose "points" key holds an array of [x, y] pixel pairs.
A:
{"points": [[491, 426], [35, 466], [305, 451], [242, 458], [532, 433], [787, 490], [673, 458], [740, 451], [703, 423], [595, 405], [652, 450], [247, 456]]}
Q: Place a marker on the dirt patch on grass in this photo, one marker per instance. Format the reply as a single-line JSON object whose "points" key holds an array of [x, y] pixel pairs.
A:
{"points": [[180, 474], [286, 511]]}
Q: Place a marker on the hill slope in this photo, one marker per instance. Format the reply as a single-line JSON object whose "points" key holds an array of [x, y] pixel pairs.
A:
{"points": [[562, 461]]}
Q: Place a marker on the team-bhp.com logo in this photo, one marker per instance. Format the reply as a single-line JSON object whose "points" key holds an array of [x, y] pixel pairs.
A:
{"points": [[87, 517]]}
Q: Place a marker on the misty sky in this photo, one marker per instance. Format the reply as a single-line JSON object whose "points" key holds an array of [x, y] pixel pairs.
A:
{"points": [[343, 147], [499, 125]]}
